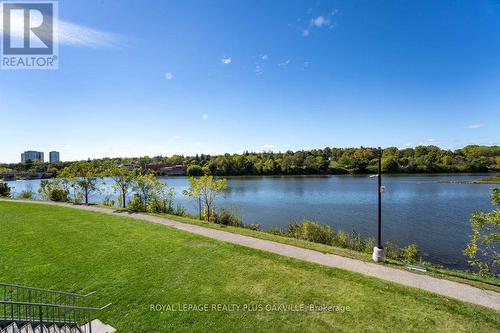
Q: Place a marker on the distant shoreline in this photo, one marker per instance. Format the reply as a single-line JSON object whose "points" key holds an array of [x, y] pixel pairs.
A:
{"points": [[474, 182], [491, 180]]}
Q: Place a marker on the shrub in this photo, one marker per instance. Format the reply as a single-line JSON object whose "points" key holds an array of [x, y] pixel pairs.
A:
{"points": [[4, 190], [108, 201], [156, 205], [54, 190], [391, 251], [253, 226], [161, 201], [369, 245], [311, 231], [136, 205], [194, 170], [179, 210], [276, 231], [409, 254], [27, 194], [58, 195], [483, 249], [225, 217], [341, 239], [356, 242]]}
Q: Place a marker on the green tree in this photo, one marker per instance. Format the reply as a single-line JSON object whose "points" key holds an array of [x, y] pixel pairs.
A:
{"points": [[194, 170], [209, 190], [483, 247], [84, 177], [147, 187], [163, 200], [124, 180], [194, 192], [4, 189]]}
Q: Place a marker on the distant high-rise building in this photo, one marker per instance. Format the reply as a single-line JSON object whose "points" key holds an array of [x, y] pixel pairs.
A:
{"points": [[54, 157], [32, 156]]}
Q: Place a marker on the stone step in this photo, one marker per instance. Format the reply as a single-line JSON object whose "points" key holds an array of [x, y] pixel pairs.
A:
{"points": [[98, 327]]}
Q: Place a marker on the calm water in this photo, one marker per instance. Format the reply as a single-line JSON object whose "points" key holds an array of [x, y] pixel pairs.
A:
{"points": [[416, 209]]}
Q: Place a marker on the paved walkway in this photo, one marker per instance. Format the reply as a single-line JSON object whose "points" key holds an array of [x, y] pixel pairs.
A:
{"points": [[442, 287]]}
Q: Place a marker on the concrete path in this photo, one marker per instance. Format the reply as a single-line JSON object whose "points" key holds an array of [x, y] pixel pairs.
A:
{"points": [[442, 287]]}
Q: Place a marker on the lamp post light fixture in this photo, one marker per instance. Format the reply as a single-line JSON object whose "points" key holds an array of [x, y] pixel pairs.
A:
{"points": [[378, 251]]}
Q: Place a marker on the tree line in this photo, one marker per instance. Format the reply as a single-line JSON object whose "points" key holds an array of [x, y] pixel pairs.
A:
{"points": [[137, 189], [421, 159]]}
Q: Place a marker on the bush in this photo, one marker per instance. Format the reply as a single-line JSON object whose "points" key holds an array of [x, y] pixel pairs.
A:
{"points": [[483, 249], [391, 251], [4, 190], [136, 205], [156, 205], [108, 201], [225, 217], [253, 226], [179, 210], [356, 242], [311, 231], [58, 195], [341, 239], [27, 194], [369, 245], [276, 231], [409, 254], [194, 170], [54, 190]]}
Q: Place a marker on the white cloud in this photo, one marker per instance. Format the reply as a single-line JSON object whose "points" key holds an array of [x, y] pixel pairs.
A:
{"points": [[68, 33], [169, 76], [284, 63], [204, 116], [268, 147], [474, 126], [79, 35], [226, 60], [176, 137], [428, 142], [264, 57], [320, 21], [258, 70]]}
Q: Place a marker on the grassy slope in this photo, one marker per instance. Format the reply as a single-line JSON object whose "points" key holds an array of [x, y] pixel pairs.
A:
{"points": [[134, 264], [481, 281]]}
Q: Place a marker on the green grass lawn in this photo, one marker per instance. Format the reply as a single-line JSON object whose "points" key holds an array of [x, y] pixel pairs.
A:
{"points": [[134, 264], [489, 282]]}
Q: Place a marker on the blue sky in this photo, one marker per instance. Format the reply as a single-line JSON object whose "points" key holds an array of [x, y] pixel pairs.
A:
{"points": [[153, 78]]}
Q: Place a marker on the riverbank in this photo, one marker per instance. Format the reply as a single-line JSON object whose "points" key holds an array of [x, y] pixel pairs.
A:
{"points": [[486, 282], [416, 209], [137, 265]]}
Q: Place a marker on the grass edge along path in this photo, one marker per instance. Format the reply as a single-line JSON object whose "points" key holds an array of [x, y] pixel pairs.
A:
{"points": [[462, 292], [470, 278]]}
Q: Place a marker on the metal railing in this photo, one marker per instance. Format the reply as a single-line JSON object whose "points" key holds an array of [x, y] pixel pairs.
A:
{"points": [[25, 305], [46, 315], [20, 293]]}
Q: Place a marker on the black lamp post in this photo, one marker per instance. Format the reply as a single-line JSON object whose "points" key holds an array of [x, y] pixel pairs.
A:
{"points": [[378, 251]]}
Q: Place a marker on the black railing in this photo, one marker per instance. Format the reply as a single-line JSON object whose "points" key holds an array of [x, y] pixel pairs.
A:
{"points": [[43, 308], [19, 293]]}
